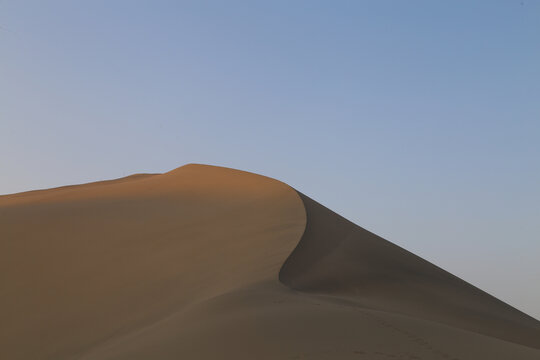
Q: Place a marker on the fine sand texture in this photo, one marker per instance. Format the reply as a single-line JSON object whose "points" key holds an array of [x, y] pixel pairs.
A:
{"points": [[205, 262]]}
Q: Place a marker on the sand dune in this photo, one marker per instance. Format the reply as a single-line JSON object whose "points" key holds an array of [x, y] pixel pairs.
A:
{"points": [[212, 263]]}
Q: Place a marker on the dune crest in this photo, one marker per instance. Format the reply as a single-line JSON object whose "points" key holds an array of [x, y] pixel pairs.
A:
{"points": [[205, 262]]}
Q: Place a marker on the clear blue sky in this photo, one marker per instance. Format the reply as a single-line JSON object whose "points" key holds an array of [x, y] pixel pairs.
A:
{"points": [[418, 120]]}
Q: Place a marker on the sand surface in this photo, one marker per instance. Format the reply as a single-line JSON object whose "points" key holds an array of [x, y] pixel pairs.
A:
{"points": [[206, 262]]}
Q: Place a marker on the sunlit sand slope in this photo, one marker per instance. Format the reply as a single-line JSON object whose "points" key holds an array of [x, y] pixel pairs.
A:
{"points": [[82, 265]]}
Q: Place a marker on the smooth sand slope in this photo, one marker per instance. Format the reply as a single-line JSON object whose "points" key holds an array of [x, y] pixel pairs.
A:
{"points": [[212, 263]]}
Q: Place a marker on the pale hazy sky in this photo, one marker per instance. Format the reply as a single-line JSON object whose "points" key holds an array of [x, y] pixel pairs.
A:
{"points": [[418, 120]]}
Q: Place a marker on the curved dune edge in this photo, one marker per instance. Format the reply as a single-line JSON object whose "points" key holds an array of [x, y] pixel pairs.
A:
{"points": [[206, 262], [339, 258]]}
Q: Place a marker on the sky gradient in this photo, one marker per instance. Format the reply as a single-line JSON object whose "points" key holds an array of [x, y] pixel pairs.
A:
{"points": [[418, 120]]}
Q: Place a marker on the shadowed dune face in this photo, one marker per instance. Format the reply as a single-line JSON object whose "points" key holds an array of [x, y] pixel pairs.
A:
{"points": [[340, 258], [80, 265], [185, 265]]}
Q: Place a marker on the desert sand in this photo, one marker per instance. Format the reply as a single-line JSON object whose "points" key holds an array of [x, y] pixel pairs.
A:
{"points": [[205, 262]]}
